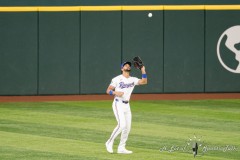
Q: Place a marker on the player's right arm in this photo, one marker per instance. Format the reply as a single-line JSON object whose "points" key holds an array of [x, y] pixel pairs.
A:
{"points": [[111, 88], [110, 91]]}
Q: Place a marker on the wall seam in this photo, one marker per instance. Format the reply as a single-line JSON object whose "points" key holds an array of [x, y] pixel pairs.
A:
{"points": [[163, 50], [121, 36], [38, 52], [204, 55], [80, 49]]}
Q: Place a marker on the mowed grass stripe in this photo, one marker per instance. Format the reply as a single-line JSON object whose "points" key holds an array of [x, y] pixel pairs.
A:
{"points": [[142, 128], [86, 123], [9, 153], [137, 140], [106, 125], [71, 147], [203, 109], [155, 123], [83, 134], [172, 114], [49, 144], [75, 121], [215, 106], [85, 149]]}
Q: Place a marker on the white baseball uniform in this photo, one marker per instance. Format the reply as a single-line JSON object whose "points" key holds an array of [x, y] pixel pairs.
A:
{"points": [[121, 108]]}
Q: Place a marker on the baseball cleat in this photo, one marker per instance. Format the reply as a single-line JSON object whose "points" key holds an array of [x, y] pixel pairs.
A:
{"points": [[109, 147], [124, 151]]}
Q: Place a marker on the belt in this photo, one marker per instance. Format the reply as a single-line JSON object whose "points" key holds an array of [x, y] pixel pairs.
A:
{"points": [[125, 102]]}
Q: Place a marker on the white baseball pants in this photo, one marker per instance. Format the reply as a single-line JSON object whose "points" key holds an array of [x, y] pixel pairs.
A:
{"points": [[123, 116]]}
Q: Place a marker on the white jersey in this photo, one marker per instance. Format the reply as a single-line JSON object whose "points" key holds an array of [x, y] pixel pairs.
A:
{"points": [[125, 85]]}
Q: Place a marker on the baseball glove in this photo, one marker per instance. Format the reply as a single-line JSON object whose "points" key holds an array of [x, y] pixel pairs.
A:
{"points": [[137, 62]]}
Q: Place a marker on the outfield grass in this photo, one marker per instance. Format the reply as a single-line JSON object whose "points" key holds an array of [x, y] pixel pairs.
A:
{"points": [[78, 130]]}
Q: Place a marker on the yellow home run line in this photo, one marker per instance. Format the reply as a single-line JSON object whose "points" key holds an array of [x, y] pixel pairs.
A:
{"points": [[118, 8], [222, 7], [184, 7], [141, 8]]}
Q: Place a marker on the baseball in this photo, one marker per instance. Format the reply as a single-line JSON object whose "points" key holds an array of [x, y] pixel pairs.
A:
{"points": [[149, 14]]}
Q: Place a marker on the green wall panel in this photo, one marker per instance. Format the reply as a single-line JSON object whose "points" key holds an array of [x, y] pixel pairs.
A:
{"points": [[80, 52], [100, 50], [184, 51], [59, 52], [219, 79], [143, 36], [18, 53]]}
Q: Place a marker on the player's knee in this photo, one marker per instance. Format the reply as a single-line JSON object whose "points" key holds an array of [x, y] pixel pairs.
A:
{"points": [[128, 129], [123, 126]]}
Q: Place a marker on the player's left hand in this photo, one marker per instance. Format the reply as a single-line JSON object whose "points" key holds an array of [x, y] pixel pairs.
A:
{"points": [[137, 62], [143, 69]]}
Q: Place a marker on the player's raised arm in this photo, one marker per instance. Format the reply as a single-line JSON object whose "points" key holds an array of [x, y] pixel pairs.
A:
{"points": [[144, 76], [138, 63]]}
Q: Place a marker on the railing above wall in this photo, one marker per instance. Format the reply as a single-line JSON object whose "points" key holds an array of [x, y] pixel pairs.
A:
{"points": [[117, 8], [112, 2]]}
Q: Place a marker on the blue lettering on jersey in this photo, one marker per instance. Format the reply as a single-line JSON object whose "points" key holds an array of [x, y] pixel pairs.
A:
{"points": [[123, 85]]}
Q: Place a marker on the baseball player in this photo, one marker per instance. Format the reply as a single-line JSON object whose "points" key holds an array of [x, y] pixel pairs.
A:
{"points": [[121, 88]]}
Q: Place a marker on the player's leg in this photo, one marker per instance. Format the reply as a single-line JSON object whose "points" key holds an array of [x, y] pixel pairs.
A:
{"points": [[119, 114], [125, 131]]}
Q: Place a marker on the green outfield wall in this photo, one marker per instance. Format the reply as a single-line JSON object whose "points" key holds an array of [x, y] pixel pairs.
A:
{"points": [[78, 49]]}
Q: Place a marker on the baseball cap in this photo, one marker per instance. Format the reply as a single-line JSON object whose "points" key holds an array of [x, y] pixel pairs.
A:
{"points": [[123, 64]]}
